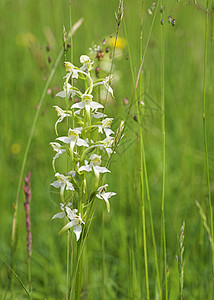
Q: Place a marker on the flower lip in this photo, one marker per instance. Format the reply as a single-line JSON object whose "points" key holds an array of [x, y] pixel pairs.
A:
{"points": [[86, 97], [95, 159], [107, 122], [102, 188], [69, 66], [74, 132], [62, 182]]}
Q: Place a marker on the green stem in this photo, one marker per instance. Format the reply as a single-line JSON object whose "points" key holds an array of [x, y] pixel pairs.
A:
{"points": [[163, 231], [144, 167], [68, 258], [29, 277], [142, 172], [103, 257], [82, 242], [79, 272], [17, 277], [72, 46], [143, 154], [205, 127], [143, 215], [68, 262], [79, 246], [151, 221]]}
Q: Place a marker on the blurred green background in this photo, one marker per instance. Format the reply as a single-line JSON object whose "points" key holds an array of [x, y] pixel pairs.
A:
{"points": [[26, 29]]}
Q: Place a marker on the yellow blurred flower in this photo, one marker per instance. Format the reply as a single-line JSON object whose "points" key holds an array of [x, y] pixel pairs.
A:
{"points": [[26, 39], [121, 42], [15, 148]]}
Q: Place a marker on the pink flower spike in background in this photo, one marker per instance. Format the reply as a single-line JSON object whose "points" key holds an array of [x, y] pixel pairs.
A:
{"points": [[27, 191]]}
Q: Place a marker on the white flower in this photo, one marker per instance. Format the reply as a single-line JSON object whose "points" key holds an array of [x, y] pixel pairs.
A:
{"points": [[75, 222], [106, 82], [57, 147], [98, 115], [62, 214], [105, 196], [86, 62], [68, 91], [95, 161], [71, 173], [73, 139], [84, 59], [106, 123], [61, 114], [107, 144], [59, 151], [95, 49], [71, 69], [87, 103], [62, 182]]}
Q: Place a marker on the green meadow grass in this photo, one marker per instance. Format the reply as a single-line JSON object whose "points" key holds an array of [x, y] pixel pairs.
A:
{"points": [[24, 71]]}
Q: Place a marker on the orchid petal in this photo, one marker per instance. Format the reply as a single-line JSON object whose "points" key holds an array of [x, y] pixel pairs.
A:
{"points": [[95, 105], [81, 142], [67, 226], [78, 105], [101, 169], [60, 215], [64, 139], [77, 230]]}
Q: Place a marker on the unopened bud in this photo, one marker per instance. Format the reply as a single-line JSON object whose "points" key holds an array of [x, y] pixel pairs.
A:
{"points": [[149, 11], [173, 22], [169, 19], [125, 101], [97, 71]]}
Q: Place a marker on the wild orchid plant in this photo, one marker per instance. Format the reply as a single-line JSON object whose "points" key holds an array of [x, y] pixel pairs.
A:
{"points": [[88, 141]]}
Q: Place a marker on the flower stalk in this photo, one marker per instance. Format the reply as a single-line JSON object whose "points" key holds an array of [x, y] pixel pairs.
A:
{"points": [[88, 144]]}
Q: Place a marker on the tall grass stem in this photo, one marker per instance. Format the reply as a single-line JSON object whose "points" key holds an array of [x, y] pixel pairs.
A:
{"points": [[143, 158], [205, 126], [142, 170], [103, 256], [163, 229]]}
